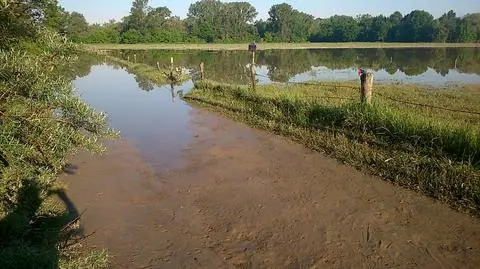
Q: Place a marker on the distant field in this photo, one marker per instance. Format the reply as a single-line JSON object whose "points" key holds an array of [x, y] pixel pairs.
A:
{"points": [[270, 46]]}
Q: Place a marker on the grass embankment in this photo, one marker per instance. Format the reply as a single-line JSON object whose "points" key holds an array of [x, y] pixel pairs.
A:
{"points": [[271, 46], [436, 152]]}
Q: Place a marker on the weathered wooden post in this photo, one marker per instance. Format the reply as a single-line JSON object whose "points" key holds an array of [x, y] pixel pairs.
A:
{"points": [[366, 80], [202, 70], [171, 67], [128, 58], [252, 48], [158, 66], [456, 61], [135, 58]]}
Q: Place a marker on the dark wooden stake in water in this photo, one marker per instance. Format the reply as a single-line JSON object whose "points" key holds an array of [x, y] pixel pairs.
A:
{"points": [[202, 70], [252, 48], [252, 71], [366, 80]]}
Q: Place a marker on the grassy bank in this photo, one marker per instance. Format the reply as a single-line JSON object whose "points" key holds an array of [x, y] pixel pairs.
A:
{"points": [[271, 46], [433, 151]]}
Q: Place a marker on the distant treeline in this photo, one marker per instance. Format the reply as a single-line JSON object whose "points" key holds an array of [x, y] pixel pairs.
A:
{"points": [[215, 21]]}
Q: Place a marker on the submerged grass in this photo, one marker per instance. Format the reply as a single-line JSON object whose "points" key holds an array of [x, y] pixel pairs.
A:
{"points": [[433, 151], [147, 72]]}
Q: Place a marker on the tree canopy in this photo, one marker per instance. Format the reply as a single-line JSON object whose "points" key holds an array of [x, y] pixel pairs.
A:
{"points": [[216, 21]]}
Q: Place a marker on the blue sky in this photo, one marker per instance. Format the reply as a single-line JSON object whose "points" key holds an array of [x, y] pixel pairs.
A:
{"points": [[97, 11]]}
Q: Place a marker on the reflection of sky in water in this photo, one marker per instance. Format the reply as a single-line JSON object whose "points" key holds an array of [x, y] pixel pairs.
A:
{"points": [[157, 126], [429, 78], [419, 66]]}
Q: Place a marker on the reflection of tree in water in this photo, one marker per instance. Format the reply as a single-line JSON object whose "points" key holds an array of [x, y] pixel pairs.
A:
{"points": [[82, 67], [224, 66], [144, 84], [282, 65]]}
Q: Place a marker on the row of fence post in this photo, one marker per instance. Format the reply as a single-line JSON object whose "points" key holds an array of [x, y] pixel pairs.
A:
{"points": [[366, 81]]}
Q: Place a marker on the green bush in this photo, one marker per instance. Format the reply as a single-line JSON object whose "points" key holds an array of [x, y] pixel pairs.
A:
{"points": [[42, 120]]}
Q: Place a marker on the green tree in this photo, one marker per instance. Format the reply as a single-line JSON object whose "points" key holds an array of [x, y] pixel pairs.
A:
{"points": [[132, 36], [238, 19], [137, 18], [394, 26], [157, 18], [379, 29], [76, 26], [321, 31], [262, 28], [20, 19], [54, 16], [418, 26], [203, 20], [469, 30], [344, 28], [288, 24], [365, 27], [447, 28]]}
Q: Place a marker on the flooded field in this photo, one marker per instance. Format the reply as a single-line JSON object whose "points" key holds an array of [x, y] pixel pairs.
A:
{"points": [[426, 66], [185, 188], [155, 119]]}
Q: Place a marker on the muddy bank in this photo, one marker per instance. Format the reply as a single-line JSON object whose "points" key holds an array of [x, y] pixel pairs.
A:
{"points": [[242, 198]]}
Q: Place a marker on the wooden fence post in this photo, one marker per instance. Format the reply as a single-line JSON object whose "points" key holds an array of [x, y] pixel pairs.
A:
{"points": [[252, 70], [158, 66], [366, 80], [171, 67], [135, 58], [202, 70]]}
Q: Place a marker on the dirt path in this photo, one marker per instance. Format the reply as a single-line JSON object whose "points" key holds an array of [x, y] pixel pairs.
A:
{"points": [[246, 199]]}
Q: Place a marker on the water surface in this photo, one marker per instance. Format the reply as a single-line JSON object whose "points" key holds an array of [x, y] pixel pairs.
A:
{"points": [[440, 67], [156, 122]]}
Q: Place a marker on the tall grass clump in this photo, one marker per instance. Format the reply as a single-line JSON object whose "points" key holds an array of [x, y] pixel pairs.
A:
{"points": [[433, 153]]}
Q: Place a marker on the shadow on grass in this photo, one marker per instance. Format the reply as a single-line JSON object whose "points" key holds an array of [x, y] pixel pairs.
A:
{"points": [[32, 234]]}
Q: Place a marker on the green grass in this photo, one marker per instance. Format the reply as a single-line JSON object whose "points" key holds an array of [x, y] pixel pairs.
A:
{"points": [[270, 46], [435, 152]]}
